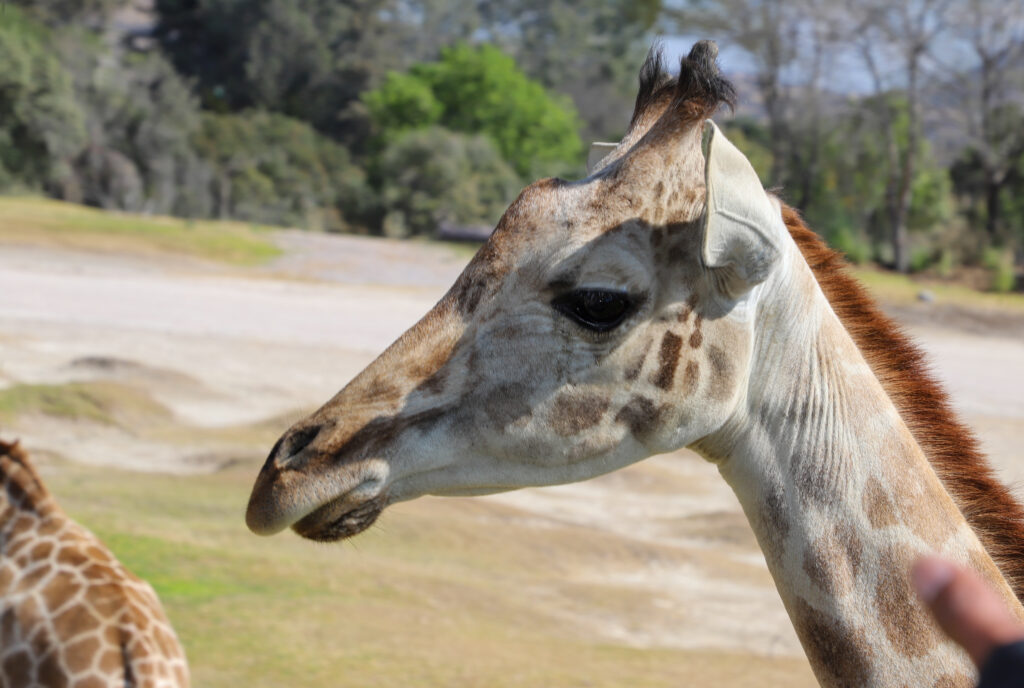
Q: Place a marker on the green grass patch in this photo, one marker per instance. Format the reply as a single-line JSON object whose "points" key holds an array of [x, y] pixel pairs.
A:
{"points": [[48, 222], [895, 288], [100, 402], [434, 597]]}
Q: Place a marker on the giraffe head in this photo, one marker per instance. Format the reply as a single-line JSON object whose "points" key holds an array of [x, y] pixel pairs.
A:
{"points": [[605, 320]]}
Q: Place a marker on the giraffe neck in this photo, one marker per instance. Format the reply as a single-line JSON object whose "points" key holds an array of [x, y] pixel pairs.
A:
{"points": [[841, 497]]}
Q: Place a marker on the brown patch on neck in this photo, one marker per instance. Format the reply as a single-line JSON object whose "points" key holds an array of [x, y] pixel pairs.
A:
{"points": [[833, 561], [900, 366], [879, 508], [838, 652], [22, 486], [906, 623]]}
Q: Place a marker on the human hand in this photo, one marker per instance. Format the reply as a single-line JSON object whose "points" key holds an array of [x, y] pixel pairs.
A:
{"points": [[967, 609]]}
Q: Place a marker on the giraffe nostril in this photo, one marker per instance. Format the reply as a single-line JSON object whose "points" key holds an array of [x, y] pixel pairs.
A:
{"points": [[290, 444], [298, 440]]}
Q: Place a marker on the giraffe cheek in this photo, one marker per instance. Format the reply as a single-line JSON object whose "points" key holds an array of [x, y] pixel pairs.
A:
{"points": [[507, 405], [572, 414]]}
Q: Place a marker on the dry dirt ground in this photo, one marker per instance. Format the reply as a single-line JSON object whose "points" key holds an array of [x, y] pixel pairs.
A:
{"points": [[232, 354]]}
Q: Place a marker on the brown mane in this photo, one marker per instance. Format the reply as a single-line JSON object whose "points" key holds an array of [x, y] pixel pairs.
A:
{"points": [[950, 446]]}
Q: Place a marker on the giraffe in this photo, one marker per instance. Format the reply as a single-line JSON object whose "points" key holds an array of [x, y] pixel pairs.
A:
{"points": [[70, 614], [668, 301]]}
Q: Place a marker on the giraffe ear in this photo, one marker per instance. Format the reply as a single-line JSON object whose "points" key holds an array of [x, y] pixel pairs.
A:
{"points": [[742, 226]]}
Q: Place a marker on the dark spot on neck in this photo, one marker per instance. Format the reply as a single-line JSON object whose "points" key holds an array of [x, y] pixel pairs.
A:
{"points": [[775, 520], [907, 625], [832, 562], [838, 651], [879, 508]]}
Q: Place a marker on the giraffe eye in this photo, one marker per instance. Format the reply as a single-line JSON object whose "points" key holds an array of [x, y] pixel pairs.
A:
{"points": [[595, 309]]}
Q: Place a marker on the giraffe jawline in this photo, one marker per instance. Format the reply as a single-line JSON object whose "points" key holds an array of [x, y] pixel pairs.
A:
{"points": [[324, 525]]}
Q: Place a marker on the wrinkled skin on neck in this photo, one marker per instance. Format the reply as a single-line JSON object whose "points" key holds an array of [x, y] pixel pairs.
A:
{"points": [[495, 388]]}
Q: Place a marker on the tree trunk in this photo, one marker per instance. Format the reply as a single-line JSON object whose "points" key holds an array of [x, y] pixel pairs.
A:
{"points": [[992, 189], [901, 211], [900, 240], [776, 126]]}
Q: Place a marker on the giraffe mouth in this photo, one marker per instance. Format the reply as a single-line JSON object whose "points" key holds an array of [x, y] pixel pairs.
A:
{"points": [[338, 520]]}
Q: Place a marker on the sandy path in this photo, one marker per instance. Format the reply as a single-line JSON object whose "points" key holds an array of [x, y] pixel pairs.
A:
{"points": [[258, 347], [223, 348]]}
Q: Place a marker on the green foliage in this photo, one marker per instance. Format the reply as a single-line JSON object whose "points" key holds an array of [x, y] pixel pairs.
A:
{"points": [[853, 244], [481, 90], [1000, 265], [265, 110], [586, 50], [841, 175], [270, 168], [401, 103], [434, 175], [1012, 200], [974, 181], [749, 137], [921, 259], [91, 13], [931, 199], [39, 124]]}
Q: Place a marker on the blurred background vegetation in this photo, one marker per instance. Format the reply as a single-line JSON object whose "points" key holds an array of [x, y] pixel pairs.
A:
{"points": [[897, 128]]}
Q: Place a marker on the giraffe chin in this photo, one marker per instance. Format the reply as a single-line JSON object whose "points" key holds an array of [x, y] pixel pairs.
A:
{"points": [[326, 525]]}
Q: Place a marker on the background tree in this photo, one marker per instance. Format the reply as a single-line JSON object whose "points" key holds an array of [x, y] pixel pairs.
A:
{"points": [[309, 59], [589, 51], [989, 106], [40, 125], [140, 116], [267, 167], [769, 31], [481, 90], [434, 176], [306, 111], [910, 30], [92, 14]]}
